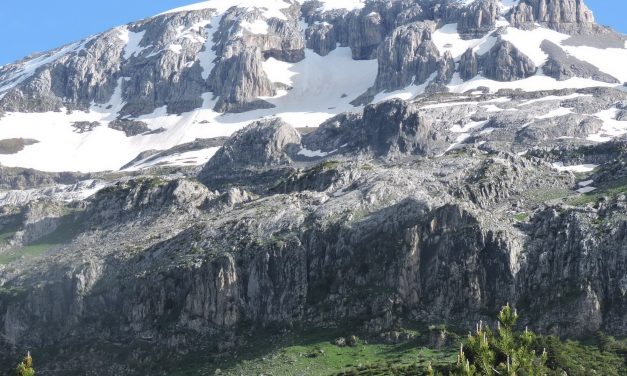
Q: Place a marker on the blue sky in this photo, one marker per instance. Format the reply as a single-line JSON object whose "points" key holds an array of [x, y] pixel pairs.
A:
{"points": [[40, 25]]}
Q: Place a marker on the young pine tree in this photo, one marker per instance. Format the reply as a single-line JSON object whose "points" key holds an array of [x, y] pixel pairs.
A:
{"points": [[504, 352], [25, 368]]}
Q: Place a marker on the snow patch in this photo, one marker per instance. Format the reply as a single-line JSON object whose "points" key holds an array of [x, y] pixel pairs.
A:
{"points": [[132, 41], [447, 38], [321, 86], [555, 113], [258, 27], [468, 126], [611, 127], [314, 153], [492, 108], [207, 56], [328, 5], [608, 60], [458, 142], [559, 166], [533, 83], [529, 41], [586, 189], [189, 158], [176, 48], [407, 93]]}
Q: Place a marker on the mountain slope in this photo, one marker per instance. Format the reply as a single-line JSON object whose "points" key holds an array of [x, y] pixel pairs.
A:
{"points": [[432, 209], [208, 69]]}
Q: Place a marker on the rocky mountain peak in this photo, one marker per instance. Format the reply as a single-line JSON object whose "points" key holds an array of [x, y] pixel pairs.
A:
{"points": [[208, 69], [306, 164]]}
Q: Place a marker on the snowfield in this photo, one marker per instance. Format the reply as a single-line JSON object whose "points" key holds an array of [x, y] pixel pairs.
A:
{"points": [[322, 87]]}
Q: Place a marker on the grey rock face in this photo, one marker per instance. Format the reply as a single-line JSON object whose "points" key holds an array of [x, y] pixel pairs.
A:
{"points": [[238, 77], [522, 15], [428, 234], [570, 16], [567, 286], [165, 68], [91, 70], [444, 74], [365, 33], [321, 38], [241, 79], [478, 19], [562, 66], [142, 197], [393, 128], [571, 125], [362, 30], [426, 239], [504, 62], [264, 143], [389, 129], [468, 65], [22, 178], [41, 218], [407, 56], [605, 38]]}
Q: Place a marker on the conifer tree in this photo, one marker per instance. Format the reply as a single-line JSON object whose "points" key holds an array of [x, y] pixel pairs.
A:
{"points": [[25, 368], [504, 352]]}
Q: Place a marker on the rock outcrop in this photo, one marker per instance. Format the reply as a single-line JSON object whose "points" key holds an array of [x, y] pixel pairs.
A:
{"points": [[390, 129], [365, 34], [238, 78], [504, 62], [168, 60], [569, 16], [468, 65], [264, 143], [129, 127], [479, 18], [562, 66], [407, 56], [321, 38]]}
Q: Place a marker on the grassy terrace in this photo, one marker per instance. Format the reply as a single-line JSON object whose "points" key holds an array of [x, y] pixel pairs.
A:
{"points": [[613, 189], [64, 233], [28, 251], [314, 353]]}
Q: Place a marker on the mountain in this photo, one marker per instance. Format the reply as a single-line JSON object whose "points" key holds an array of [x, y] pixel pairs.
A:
{"points": [[243, 170], [207, 70]]}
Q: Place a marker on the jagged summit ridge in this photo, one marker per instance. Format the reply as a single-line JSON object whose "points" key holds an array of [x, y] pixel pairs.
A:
{"points": [[208, 69]]}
